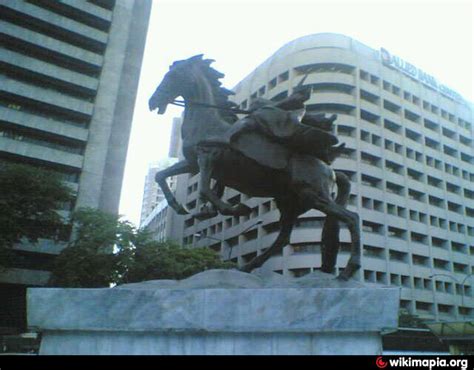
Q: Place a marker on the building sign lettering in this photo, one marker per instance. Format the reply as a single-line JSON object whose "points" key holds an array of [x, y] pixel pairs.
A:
{"points": [[410, 70]]}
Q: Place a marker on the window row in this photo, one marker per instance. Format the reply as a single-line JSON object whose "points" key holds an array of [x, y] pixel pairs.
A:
{"points": [[409, 153], [51, 83], [443, 309], [415, 282], [416, 118], [77, 14], [47, 141], [388, 124], [367, 203], [48, 55], [418, 137], [416, 259], [365, 95], [44, 110], [416, 175], [67, 174], [398, 233], [423, 197], [302, 70], [38, 25], [427, 106], [415, 215]]}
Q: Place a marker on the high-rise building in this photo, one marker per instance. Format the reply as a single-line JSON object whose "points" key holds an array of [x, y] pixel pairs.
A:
{"points": [[409, 156], [69, 75], [155, 216], [152, 194]]}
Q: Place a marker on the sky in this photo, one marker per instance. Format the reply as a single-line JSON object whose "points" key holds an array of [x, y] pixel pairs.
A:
{"points": [[434, 35]]}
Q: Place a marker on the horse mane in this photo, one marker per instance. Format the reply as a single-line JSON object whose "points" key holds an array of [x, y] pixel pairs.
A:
{"points": [[221, 94]]}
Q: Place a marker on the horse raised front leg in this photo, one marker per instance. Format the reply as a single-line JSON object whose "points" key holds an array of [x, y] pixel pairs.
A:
{"points": [[161, 176], [351, 219], [208, 210], [206, 161]]}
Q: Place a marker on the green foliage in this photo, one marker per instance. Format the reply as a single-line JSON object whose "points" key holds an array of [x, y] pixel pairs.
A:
{"points": [[108, 251], [83, 268], [94, 258], [167, 260], [29, 199]]}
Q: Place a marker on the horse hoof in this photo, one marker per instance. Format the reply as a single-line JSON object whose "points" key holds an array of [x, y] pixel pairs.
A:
{"points": [[342, 277], [327, 270], [349, 271], [246, 268]]}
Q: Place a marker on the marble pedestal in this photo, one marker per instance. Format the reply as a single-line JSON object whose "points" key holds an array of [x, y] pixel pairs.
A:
{"points": [[216, 312]]}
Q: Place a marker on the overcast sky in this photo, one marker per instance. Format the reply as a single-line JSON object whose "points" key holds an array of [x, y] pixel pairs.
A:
{"points": [[436, 36]]}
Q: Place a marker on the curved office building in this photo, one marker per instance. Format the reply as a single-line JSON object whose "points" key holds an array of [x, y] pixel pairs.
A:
{"points": [[410, 159]]}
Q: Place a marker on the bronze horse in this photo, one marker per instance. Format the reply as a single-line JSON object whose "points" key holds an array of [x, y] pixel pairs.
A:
{"points": [[251, 163]]}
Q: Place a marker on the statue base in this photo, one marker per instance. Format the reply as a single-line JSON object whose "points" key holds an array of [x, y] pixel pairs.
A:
{"points": [[217, 312]]}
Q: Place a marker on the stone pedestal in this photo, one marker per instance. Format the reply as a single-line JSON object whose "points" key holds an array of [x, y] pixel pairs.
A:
{"points": [[216, 312]]}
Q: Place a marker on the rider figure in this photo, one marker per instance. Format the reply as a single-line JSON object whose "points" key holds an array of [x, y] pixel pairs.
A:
{"points": [[287, 123]]}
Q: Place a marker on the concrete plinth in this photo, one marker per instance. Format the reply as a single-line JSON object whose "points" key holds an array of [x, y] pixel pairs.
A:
{"points": [[216, 312]]}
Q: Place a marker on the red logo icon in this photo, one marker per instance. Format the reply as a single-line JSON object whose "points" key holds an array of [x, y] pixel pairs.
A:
{"points": [[381, 364]]}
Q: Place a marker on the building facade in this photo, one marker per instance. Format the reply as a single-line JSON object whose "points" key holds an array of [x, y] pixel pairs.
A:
{"points": [[410, 160], [69, 75], [152, 194], [155, 215]]}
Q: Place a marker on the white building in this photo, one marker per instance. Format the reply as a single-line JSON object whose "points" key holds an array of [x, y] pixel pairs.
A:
{"points": [[154, 215], [152, 194], [409, 156]]}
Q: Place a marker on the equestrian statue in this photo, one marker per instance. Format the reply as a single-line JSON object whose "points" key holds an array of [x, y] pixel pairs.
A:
{"points": [[276, 150]]}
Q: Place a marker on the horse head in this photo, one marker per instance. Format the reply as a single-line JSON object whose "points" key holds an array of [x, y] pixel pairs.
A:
{"points": [[182, 79]]}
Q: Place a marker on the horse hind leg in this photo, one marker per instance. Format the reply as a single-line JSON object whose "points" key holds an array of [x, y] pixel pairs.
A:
{"points": [[287, 221], [330, 244], [330, 234], [351, 219]]}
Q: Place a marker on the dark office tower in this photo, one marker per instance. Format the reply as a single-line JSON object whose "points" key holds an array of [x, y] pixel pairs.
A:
{"points": [[69, 73]]}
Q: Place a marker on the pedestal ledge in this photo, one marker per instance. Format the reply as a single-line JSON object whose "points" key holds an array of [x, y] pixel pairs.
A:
{"points": [[216, 312]]}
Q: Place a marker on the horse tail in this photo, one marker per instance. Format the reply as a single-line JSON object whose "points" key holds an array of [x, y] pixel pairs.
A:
{"points": [[330, 235]]}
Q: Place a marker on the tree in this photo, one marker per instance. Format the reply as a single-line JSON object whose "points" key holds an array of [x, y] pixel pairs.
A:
{"points": [[168, 260], [107, 250], [90, 260], [29, 200]]}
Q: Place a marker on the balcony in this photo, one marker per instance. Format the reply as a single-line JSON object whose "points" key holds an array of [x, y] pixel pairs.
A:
{"points": [[50, 44], [40, 152], [66, 77], [46, 96], [63, 23], [330, 77], [44, 124]]}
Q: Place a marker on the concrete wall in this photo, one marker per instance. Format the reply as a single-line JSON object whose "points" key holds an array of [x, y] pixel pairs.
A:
{"points": [[104, 162]]}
